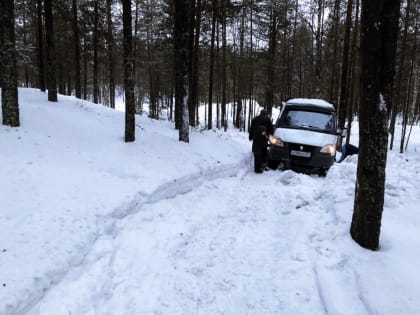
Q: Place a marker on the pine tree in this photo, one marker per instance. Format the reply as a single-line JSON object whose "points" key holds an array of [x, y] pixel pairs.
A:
{"points": [[379, 32], [212, 60], [111, 44], [40, 47], [130, 107], [8, 81], [95, 50], [181, 66], [76, 35], [51, 53]]}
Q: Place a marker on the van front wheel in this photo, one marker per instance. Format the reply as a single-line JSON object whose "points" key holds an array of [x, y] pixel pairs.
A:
{"points": [[323, 172], [273, 164]]}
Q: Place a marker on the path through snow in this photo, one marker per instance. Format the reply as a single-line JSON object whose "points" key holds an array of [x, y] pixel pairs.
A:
{"points": [[177, 255]]}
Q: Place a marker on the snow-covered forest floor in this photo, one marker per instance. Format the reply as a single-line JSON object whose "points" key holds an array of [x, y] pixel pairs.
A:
{"points": [[92, 225]]}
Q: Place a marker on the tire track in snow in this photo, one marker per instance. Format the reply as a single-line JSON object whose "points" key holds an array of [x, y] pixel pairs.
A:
{"points": [[333, 267], [179, 186], [167, 190], [227, 260]]}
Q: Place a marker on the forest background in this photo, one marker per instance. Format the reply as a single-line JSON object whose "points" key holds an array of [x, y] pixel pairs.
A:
{"points": [[242, 52]]}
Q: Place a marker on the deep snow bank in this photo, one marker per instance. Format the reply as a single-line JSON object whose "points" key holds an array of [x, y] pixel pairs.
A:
{"points": [[67, 168]]}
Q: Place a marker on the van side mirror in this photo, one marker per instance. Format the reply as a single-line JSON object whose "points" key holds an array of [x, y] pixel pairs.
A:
{"points": [[282, 106]]}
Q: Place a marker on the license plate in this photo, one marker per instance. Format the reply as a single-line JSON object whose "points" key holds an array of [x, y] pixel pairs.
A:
{"points": [[300, 153]]}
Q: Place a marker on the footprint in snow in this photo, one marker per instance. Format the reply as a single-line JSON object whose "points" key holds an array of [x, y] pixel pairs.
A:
{"points": [[288, 178]]}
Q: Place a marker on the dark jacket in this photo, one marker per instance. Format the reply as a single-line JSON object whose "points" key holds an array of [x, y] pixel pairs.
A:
{"points": [[260, 120], [260, 143]]}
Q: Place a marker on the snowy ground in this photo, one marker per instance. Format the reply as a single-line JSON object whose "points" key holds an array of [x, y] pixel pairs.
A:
{"points": [[92, 225]]}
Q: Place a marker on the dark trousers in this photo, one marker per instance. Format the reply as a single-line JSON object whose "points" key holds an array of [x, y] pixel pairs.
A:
{"points": [[259, 161]]}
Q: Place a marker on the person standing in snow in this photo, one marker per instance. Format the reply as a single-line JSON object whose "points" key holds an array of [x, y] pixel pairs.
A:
{"points": [[260, 136], [259, 148]]}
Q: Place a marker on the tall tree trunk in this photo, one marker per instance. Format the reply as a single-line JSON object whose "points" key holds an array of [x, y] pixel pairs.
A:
{"points": [[130, 107], [251, 67], [333, 97], [411, 84], [25, 43], [378, 48], [235, 80], [224, 79], [319, 40], [40, 45], [110, 37], [353, 80], [8, 75], [218, 70], [397, 103], [269, 90], [95, 50], [152, 81], [344, 71], [212, 57], [51, 54], [181, 66], [286, 47], [139, 109], [195, 61], [191, 37], [69, 83], [60, 51], [76, 35], [240, 79], [172, 94], [85, 62]]}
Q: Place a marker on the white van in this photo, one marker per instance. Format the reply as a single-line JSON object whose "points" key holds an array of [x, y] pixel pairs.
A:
{"points": [[305, 136]]}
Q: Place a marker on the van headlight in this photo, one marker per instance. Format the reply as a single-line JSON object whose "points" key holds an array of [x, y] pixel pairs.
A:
{"points": [[328, 149], [276, 141]]}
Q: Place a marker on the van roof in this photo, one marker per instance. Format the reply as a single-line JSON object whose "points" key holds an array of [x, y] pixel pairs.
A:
{"points": [[308, 102]]}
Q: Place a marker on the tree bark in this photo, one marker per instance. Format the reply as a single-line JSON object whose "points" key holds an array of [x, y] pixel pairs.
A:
{"points": [[224, 75], [411, 84], [195, 67], [110, 38], [25, 42], [181, 66], [130, 107], [51, 53], [85, 62], [40, 45], [319, 44], [397, 103], [212, 57], [333, 79], [191, 37], [379, 31], [345, 65], [251, 67], [95, 50], [8, 75], [269, 90], [352, 78], [239, 114]]}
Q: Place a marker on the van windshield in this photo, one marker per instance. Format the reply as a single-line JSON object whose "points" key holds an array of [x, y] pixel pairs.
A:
{"points": [[306, 119]]}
